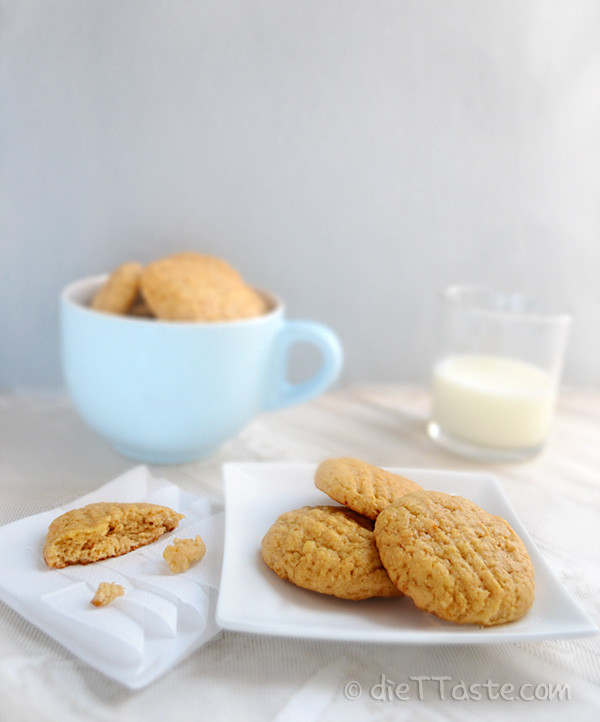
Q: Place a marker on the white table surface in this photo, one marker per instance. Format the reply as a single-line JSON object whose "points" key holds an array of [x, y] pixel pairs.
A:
{"points": [[48, 457]]}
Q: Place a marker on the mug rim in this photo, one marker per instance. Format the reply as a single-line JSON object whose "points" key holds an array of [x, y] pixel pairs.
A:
{"points": [[277, 307]]}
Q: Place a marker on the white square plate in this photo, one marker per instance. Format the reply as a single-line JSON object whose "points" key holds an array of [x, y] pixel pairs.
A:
{"points": [[254, 599]]}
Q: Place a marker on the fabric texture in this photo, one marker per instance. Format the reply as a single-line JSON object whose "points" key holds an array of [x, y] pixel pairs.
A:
{"points": [[49, 458]]}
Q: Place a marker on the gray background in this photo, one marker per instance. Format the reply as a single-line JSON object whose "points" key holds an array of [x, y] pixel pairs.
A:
{"points": [[352, 156]]}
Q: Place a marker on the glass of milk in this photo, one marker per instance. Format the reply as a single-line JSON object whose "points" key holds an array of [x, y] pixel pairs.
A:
{"points": [[495, 380]]}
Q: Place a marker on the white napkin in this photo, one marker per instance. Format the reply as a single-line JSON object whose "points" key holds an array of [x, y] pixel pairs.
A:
{"points": [[161, 618]]}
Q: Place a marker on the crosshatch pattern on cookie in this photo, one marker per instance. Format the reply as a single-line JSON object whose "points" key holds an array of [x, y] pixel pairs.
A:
{"points": [[454, 559], [328, 549], [361, 487]]}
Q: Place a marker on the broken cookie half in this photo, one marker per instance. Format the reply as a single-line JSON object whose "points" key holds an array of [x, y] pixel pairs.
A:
{"points": [[102, 530]]}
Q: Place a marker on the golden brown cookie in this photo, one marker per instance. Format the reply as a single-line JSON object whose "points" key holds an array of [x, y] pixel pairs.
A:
{"points": [[328, 549], [195, 287], [454, 559], [102, 530], [120, 290], [106, 593], [361, 487], [184, 552]]}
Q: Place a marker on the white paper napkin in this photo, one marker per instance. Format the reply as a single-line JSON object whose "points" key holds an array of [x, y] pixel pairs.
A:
{"points": [[161, 618]]}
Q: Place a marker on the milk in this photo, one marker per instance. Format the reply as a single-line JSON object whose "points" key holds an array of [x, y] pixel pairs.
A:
{"points": [[492, 401]]}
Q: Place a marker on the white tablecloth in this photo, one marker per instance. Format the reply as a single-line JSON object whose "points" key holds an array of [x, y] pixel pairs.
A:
{"points": [[48, 457]]}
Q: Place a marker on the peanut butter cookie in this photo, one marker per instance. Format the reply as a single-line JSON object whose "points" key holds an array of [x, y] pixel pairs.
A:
{"points": [[361, 487], [328, 549], [195, 287], [102, 530], [454, 559], [120, 290]]}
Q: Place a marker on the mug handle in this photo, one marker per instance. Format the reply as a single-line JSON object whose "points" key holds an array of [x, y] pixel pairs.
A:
{"points": [[281, 392]]}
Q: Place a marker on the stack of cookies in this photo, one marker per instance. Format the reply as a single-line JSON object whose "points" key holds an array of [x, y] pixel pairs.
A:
{"points": [[391, 537], [186, 286]]}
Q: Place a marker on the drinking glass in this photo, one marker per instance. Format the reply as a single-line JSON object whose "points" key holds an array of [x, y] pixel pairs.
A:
{"points": [[496, 375]]}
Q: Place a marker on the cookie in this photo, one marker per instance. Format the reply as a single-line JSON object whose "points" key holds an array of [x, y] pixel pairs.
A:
{"points": [[327, 549], [102, 530], [195, 287], [184, 552], [361, 487], [120, 290], [455, 560], [106, 593]]}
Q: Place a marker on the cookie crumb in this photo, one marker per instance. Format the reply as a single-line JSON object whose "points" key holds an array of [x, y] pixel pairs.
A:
{"points": [[106, 592], [184, 552]]}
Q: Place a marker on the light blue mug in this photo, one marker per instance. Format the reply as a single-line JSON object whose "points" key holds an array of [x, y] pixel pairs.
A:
{"points": [[171, 392]]}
